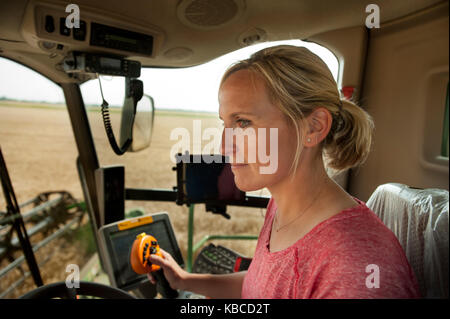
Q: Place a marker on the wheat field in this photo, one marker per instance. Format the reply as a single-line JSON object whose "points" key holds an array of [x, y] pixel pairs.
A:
{"points": [[40, 152]]}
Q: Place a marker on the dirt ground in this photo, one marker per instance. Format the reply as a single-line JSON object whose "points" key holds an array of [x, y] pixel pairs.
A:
{"points": [[40, 153]]}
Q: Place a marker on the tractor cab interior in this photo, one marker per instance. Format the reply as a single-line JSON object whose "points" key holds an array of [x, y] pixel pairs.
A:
{"points": [[394, 64]]}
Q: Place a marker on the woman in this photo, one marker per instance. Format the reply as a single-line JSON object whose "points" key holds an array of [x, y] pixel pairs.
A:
{"points": [[317, 241]]}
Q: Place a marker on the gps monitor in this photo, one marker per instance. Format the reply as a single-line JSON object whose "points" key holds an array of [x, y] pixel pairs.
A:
{"points": [[116, 240]]}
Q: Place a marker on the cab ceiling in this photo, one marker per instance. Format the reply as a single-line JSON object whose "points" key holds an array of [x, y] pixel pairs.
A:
{"points": [[206, 29]]}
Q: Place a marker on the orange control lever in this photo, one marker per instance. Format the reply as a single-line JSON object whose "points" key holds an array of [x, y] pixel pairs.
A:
{"points": [[144, 245]]}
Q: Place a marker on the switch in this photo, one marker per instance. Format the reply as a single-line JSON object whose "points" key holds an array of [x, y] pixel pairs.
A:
{"points": [[63, 30], [49, 24], [80, 33]]}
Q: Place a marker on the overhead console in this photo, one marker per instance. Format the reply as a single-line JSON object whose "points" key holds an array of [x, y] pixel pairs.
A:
{"points": [[44, 27]]}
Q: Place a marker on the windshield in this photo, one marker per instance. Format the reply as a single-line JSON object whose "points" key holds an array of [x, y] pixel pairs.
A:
{"points": [[181, 96], [193, 88]]}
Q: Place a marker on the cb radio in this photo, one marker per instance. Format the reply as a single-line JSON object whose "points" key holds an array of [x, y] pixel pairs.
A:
{"points": [[77, 62]]}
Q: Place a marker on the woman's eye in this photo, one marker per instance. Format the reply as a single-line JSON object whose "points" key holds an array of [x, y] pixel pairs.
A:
{"points": [[243, 123]]}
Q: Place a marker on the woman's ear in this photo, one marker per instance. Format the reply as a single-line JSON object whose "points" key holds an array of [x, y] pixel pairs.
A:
{"points": [[319, 124]]}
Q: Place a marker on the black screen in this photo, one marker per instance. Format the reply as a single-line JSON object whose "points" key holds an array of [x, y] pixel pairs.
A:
{"points": [[209, 181], [108, 63]]}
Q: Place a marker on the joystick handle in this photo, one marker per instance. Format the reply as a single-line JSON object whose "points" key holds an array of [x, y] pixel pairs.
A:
{"points": [[163, 286], [143, 246]]}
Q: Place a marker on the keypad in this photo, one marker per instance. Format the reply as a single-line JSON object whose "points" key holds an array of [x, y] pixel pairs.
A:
{"points": [[215, 260]]}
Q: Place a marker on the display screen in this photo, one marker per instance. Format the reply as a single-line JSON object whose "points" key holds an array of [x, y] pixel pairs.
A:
{"points": [[122, 242], [115, 37], [120, 39], [213, 181], [109, 63]]}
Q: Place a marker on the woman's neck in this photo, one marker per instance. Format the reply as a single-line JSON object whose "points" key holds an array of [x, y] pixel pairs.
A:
{"points": [[296, 193]]}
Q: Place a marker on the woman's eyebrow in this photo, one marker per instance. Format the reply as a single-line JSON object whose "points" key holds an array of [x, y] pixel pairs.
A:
{"points": [[240, 113]]}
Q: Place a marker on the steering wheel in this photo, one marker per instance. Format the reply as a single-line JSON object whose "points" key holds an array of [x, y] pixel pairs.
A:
{"points": [[60, 289]]}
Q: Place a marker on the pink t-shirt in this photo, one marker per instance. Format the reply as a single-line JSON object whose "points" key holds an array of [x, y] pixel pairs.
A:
{"points": [[346, 256]]}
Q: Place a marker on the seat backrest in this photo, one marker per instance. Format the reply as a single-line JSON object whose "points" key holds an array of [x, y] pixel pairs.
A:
{"points": [[419, 219]]}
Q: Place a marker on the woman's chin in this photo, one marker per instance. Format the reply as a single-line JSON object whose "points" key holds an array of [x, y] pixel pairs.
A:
{"points": [[245, 184], [245, 178]]}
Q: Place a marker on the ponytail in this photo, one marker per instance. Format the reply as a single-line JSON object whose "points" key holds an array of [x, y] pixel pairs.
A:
{"points": [[349, 141]]}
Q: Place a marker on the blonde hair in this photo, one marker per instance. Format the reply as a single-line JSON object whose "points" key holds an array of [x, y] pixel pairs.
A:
{"points": [[298, 81]]}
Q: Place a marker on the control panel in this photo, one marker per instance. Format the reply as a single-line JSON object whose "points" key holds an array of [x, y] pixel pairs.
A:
{"points": [[45, 27]]}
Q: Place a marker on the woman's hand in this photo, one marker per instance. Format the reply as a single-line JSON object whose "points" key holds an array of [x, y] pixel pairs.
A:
{"points": [[174, 274], [214, 286]]}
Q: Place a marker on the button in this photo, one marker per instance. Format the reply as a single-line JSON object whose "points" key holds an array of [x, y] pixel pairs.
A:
{"points": [[63, 30], [80, 33], [49, 24]]}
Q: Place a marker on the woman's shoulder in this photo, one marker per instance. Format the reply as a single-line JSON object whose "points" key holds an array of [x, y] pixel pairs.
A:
{"points": [[356, 232], [358, 222]]}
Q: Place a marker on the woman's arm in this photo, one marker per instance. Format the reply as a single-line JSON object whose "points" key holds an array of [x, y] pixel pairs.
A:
{"points": [[216, 286], [213, 286]]}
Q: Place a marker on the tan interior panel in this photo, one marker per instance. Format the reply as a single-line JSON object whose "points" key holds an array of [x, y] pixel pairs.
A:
{"points": [[349, 45], [404, 91]]}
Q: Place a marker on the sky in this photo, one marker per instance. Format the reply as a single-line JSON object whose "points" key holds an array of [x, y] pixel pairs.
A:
{"points": [[193, 88]]}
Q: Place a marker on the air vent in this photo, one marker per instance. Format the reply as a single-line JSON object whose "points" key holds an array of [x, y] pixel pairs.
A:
{"points": [[209, 14], [252, 36]]}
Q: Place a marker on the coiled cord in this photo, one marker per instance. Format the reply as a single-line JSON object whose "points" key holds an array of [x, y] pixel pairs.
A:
{"points": [[108, 127]]}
